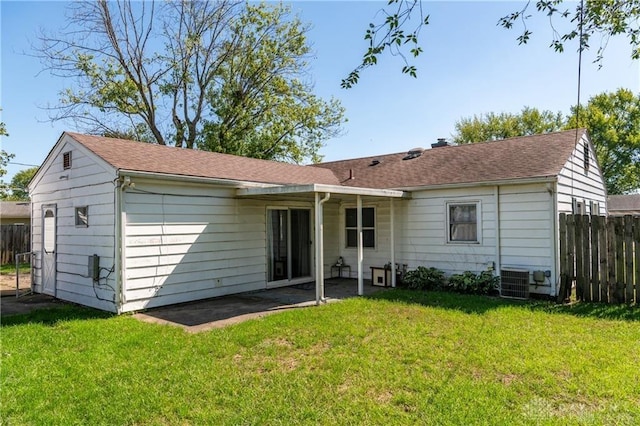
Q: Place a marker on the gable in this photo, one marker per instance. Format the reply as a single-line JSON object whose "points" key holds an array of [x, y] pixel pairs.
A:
{"points": [[55, 160]]}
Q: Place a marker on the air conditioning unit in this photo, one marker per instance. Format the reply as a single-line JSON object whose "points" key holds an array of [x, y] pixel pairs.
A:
{"points": [[514, 283]]}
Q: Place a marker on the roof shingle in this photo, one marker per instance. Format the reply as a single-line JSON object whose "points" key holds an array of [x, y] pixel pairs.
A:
{"points": [[145, 157], [524, 157]]}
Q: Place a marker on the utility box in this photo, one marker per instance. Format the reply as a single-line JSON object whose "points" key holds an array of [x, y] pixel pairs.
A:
{"points": [[94, 267]]}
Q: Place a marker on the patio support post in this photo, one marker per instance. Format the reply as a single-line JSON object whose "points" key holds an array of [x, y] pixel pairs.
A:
{"points": [[360, 254], [318, 238], [393, 247], [319, 227]]}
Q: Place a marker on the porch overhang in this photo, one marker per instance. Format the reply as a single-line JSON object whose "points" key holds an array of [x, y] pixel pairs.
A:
{"points": [[321, 188], [327, 191]]}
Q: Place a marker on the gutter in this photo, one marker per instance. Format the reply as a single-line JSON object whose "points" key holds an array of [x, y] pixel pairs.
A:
{"points": [[543, 179]]}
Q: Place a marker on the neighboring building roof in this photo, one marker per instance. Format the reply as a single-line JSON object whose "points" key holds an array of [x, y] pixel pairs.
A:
{"points": [[524, 157], [15, 209], [145, 157], [527, 157], [623, 204]]}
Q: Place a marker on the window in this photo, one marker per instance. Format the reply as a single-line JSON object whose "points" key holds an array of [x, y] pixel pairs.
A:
{"points": [[368, 227], [462, 222], [586, 158], [66, 160], [82, 216], [579, 207]]}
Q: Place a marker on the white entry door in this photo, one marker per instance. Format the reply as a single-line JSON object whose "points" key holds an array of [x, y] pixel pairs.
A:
{"points": [[49, 249]]}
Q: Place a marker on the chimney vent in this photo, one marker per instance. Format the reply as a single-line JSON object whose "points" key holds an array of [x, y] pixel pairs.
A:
{"points": [[441, 142]]}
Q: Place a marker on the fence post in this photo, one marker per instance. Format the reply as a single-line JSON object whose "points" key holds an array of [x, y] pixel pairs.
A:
{"points": [[619, 263], [580, 278], [628, 258], [595, 258], [602, 239], [564, 277], [571, 247]]}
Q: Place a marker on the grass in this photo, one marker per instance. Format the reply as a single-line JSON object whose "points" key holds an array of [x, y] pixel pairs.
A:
{"points": [[10, 268], [399, 358]]}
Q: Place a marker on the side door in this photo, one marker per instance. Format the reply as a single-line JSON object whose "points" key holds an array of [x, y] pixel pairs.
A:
{"points": [[49, 233]]}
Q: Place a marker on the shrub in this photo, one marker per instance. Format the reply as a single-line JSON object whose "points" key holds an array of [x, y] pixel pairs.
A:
{"points": [[468, 282], [423, 278]]}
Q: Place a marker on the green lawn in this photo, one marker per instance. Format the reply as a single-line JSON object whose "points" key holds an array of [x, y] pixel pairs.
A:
{"points": [[401, 358], [10, 268]]}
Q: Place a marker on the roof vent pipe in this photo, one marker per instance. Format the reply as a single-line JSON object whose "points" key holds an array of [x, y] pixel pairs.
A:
{"points": [[441, 142], [351, 176]]}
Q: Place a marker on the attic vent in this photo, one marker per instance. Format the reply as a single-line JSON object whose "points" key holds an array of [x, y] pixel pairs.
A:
{"points": [[514, 283], [414, 153], [374, 162], [441, 142], [66, 160]]}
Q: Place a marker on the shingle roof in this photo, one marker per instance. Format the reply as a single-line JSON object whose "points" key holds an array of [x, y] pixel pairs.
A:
{"points": [[621, 204], [15, 209], [524, 157], [144, 157]]}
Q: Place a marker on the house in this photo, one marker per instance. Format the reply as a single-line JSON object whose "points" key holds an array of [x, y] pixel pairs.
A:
{"points": [[123, 226], [621, 205], [15, 213]]}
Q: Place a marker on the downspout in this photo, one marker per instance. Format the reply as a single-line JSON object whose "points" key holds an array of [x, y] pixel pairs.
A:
{"points": [[320, 246], [360, 250], [498, 265], [120, 218], [555, 254], [393, 247]]}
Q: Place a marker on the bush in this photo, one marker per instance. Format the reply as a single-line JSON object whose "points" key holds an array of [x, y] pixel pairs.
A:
{"points": [[423, 278], [468, 282]]}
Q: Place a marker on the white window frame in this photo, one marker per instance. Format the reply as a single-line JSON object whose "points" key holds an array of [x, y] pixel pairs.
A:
{"points": [[478, 206], [67, 156], [80, 223], [346, 228]]}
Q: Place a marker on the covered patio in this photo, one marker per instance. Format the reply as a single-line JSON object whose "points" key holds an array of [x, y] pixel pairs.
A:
{"points": [[320, 194]]}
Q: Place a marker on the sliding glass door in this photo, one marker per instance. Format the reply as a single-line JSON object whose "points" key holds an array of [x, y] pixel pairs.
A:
{"points": [[288, 244]]}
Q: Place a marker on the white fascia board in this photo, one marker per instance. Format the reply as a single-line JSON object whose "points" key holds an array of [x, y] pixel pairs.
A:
{"points": [[543, 179], [313, 188], [191, 179]]}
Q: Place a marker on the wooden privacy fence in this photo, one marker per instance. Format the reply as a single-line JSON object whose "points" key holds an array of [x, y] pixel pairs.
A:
{"points": [[14, 239], [601, 255]]}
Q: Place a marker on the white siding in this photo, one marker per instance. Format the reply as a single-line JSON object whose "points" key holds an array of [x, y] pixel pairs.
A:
{"points": [[423, 235], [527, 236], [189, 242], [335, 237], [584, 186], [526, 231], [86, 183]]}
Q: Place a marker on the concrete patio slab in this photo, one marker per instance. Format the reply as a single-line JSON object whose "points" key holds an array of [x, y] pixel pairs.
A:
{"points": [[220, 312]]}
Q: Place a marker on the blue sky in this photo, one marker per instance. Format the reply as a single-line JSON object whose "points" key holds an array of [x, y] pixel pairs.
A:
{"points": [[469, 66]]}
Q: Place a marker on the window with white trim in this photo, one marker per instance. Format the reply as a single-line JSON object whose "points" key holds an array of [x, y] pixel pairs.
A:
{"points": [[462, 222], [66, 160], [82, 217], [368, 227]]}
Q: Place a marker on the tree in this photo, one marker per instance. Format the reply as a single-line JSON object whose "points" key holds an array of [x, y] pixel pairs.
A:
{"points": [[613, 122], [5, 157], [588, 19], [262, 107], [492, 126], [18, 189], [151, 70]]}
